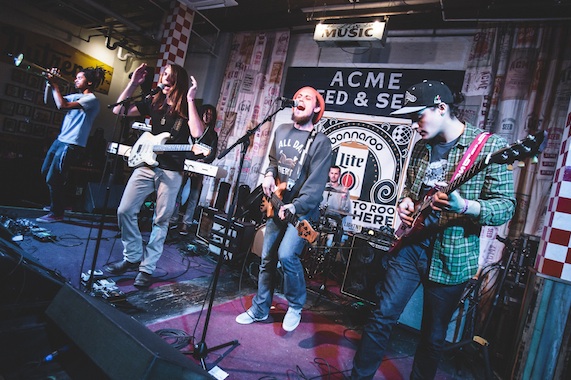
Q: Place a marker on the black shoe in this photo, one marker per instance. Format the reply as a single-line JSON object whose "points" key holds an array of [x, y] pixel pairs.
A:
{"points": [[183, 230], [122, 266], [143, 280]]}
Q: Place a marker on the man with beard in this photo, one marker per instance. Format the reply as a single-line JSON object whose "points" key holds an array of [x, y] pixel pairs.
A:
{"points": [[299, 162]]}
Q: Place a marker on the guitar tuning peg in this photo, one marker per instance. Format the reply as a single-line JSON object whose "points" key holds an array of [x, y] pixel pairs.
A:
{"points": [[521, 164], [534, 160]]}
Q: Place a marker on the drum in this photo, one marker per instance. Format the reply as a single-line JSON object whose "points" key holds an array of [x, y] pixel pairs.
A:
{"points": [[258, 243]]}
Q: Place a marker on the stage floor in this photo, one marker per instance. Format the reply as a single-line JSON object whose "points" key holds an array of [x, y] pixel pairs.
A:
{"points": [[323, 345]]}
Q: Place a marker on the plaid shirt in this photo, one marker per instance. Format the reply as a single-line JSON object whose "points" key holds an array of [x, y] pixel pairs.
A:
{"points": [[456, 248]]}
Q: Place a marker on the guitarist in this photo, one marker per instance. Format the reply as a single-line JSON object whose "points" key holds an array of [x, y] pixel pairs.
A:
{"points": [[171, 110], [303, 184], [443, 256]]}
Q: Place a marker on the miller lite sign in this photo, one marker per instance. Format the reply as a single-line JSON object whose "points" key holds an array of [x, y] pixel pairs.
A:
{"points": [[372, 155]]}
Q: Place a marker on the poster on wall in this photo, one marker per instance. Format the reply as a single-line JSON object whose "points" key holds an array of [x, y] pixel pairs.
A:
{"points": [[372, 152], [369, 91], [47, 52]]}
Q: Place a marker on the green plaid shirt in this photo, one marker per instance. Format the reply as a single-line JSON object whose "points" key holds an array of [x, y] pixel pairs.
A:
{"points": [[457, 242]]}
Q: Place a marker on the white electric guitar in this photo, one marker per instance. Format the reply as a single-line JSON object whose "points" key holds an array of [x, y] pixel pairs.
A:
{"points": [[145, 150]]}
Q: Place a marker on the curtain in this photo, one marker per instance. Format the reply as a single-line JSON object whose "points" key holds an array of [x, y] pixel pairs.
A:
{"points": [[251, 84], [518, 81]]}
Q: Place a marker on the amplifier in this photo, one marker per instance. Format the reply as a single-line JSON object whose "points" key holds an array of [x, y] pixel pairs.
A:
{"points": [[365, 269], [364, 266], [212, 230]]}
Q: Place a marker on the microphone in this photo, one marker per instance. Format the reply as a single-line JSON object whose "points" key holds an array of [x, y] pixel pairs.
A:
{"points": [[287, 102], [155, 90]]}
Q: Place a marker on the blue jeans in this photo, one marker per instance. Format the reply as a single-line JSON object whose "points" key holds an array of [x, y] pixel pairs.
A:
{"points": [[284, 244], [55, 170], [143, 182], [404, 272]]}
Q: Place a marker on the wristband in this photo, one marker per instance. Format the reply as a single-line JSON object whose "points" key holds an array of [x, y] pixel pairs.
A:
{"points": [[463, 211]]}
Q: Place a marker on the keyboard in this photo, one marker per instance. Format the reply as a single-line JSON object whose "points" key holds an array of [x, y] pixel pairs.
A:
{"points": [[189, 165]]}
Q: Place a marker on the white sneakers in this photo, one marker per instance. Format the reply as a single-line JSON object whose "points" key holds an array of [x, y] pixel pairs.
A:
{"points": [[291, 319], [248, 317]]}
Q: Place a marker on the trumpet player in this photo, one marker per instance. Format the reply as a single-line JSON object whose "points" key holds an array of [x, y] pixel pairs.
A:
{"points": [[82, 107]]}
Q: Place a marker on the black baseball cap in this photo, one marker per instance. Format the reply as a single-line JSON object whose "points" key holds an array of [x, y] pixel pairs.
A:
{"points": [[428, 93]]}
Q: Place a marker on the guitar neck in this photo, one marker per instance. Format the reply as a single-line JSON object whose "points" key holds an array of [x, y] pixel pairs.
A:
{"points": [[465, 177], [172, 148], [277, 203]]}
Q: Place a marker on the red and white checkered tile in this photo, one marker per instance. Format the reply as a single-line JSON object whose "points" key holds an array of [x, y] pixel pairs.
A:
{"points": [[554, 254], [175, 38]]}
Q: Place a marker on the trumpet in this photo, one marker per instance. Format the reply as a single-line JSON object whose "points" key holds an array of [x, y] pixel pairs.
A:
{"points": [[19, 60]]}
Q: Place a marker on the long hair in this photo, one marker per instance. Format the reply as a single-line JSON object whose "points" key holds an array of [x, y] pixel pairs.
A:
{"points": [[203, 110], [177, 94], [94, 75]]}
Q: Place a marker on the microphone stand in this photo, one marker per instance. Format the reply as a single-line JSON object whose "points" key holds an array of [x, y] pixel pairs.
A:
{"points": [[125, 104], [200, 349]]}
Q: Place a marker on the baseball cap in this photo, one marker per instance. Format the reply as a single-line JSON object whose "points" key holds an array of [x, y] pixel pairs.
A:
{"points": [[427, 93], [320, 102]]}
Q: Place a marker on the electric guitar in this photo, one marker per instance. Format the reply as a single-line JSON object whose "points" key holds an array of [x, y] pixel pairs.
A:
{"points": [[530, 146], [269, 204], [148, 145]]}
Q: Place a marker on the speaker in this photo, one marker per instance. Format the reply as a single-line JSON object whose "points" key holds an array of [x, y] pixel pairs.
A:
{"points": [[118, 344], [26, 284], [365, 269], [95, 197]]}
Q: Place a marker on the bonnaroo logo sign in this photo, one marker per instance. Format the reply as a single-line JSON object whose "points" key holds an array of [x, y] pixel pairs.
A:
{"points": [[372, 156]]}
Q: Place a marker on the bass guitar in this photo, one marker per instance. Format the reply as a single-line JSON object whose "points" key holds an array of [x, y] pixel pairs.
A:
{"points": [[269, 204], [145, 150], [529, 147]]}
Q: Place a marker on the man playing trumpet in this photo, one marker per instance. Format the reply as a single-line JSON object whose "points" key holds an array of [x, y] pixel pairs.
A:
{"points": [[82, 108]]}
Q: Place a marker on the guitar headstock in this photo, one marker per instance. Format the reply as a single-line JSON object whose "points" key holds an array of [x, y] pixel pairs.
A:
{"points": [[531, 146]]}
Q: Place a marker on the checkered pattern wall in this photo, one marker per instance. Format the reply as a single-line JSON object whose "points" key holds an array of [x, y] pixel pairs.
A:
{"points": [[176, 34], [554, 253]]}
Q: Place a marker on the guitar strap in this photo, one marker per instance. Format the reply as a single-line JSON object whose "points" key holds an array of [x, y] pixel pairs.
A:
{"points": [[297, 172], [471, 154]]}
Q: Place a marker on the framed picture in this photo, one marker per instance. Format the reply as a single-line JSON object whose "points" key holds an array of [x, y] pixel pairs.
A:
{"points": [[19, 76], [7, 107], [38, 130], [13, 91], [9, 125], [28, 95], [24, 110], [35, 81], [58, 118], [24, 127], [42, 116]]}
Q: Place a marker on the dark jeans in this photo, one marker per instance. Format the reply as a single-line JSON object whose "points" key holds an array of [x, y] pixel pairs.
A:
{"points": [[55, 170], [405, 271]]}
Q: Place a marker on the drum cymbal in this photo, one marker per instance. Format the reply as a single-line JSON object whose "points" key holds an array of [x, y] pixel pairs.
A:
{"points": [[333, 213]]}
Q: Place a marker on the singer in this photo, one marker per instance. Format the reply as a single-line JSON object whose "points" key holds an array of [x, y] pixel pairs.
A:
{"points": [[298, 176], [171, 108]]}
